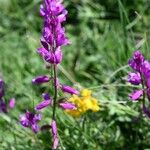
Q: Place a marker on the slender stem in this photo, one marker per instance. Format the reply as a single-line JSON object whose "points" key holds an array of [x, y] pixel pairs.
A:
{"points": [[55, 91], [143, 87]]}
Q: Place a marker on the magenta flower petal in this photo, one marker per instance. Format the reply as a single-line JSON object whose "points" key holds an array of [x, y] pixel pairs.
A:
{"points": [[24, 121], [134, 78], [54, 128], [40, 80], [69, 90], [35, 128], [12, 103], [55, 143], [58, 56], [136, 61], [136, 95], [43, 104], [67, 105]]}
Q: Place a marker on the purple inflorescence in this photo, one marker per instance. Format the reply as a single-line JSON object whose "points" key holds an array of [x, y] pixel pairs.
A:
{"points": [[52, 39], [140, 76]]}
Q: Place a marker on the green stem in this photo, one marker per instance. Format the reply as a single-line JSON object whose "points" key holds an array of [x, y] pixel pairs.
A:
{"points": [[55, 91]]}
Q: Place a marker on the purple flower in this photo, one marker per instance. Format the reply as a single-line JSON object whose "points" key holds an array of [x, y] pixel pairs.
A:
{"points": [[136, 61], [1, 88], [146, 111], [54, 58], [46, 102], [12, 103], [40, 80], [67, 105], [69, 90], [54, 134], [136, 95], [134, 78], [30, 120], [3, 106]]}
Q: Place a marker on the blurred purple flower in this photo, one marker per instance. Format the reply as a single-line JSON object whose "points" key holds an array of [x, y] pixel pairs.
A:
{"points": [[40, 79], [12, 103], [136, 95], [3, 106], [67, 105], [134, 78], [54, 134], [136, 61], [68, 89], [30, 120]]}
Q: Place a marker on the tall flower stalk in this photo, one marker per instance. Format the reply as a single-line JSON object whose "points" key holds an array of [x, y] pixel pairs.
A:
{"points": [[52, 40], [140, 76]]}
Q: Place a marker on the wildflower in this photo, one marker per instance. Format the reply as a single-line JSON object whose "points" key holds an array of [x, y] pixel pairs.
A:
{"points": [[69, 90], [54, 134], [12, 103], [46, 102], [66, 105], [134, 78], [3, 106], [83, 103], [30, 120], [140, 76], [136, 95], [40, 79]]}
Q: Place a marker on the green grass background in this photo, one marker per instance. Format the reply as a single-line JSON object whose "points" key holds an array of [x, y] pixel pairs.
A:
{"points": [[104, 34]]}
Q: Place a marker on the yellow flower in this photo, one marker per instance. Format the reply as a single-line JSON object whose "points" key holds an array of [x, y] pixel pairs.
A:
{"points": [[83, 103]]}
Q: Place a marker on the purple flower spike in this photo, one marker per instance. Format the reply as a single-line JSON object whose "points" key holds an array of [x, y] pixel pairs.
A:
{"points": [[1, 88], [67, 105], [69, 90], [136, 95], [40, 80], [134, 78], [136, 61], [54, 134], [12, 103], [146, 111]]}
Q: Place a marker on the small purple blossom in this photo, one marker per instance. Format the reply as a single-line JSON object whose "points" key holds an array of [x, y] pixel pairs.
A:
{"points": [[30, 120], [136, 61], [136, 95], [43, 104], [54, 134], [68, 89], [67, 105], [40, 79], [3, 106], [134, 78], [12, 103]]}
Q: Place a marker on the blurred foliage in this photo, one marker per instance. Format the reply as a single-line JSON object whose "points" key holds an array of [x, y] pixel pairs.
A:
{"points": [[104, 34]]}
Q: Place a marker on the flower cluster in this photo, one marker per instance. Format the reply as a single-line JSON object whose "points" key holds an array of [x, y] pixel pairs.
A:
{"points": [[52, 40], [83, 103], [140, 76], [3, 106]]}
